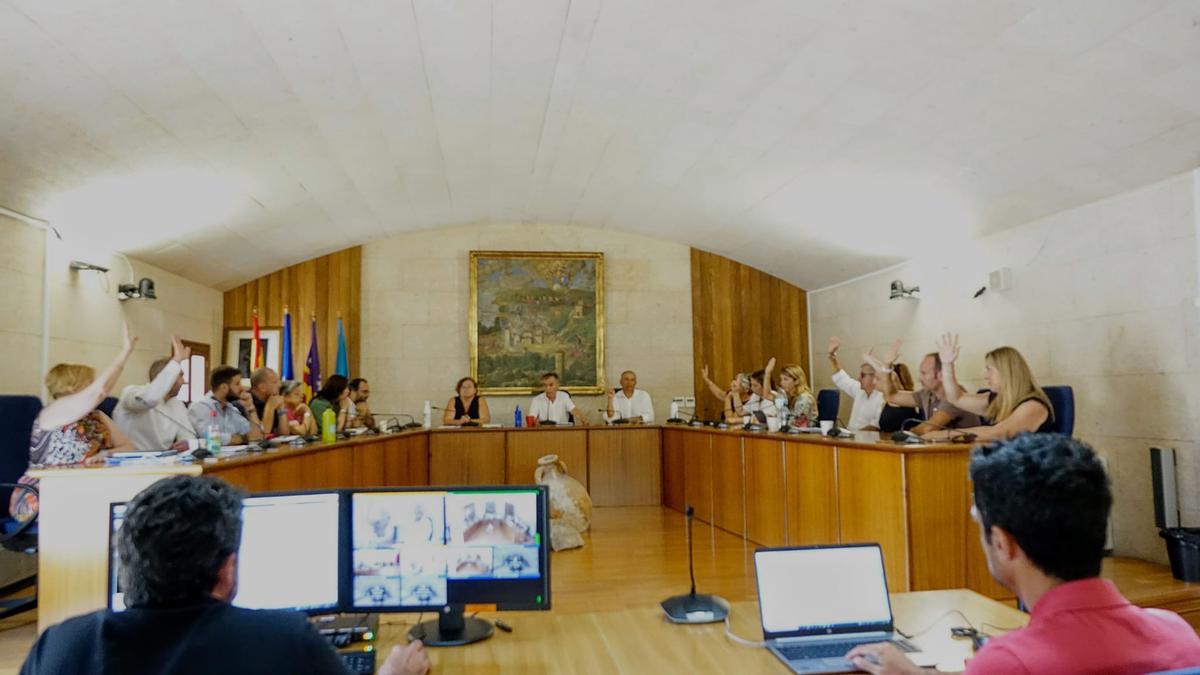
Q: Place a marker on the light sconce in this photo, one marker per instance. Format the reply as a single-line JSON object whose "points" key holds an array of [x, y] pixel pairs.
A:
{"points": [[899, 291]]}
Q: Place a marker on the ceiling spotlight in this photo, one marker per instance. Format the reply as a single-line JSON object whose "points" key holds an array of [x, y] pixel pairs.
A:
{"points": [[143, 290], [899, 291]]}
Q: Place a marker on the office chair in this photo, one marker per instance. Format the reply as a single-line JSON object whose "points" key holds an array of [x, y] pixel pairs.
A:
{"points": [[108, 405], [1062, 400], [18, 414], [828, 401]]}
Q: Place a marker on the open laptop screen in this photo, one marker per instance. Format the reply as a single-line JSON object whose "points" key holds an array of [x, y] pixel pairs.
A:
{"points": [[822, 590]]}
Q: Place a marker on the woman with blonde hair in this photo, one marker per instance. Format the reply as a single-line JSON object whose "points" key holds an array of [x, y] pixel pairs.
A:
{"points": [[1014, 403], [70, 430], [733, 399], [801, 408]]}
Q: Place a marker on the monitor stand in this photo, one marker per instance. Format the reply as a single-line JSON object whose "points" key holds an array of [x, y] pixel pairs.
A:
{"points": [[451, 629]]}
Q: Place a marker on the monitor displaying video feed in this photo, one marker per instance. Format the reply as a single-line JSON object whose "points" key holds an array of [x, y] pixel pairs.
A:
{"points": [[421, 550], [288, 558]]}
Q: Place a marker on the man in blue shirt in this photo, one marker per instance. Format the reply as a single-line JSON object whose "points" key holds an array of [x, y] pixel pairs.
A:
{"points": [[218, 407], [178, 550]]}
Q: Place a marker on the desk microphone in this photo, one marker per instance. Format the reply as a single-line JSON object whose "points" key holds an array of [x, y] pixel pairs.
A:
{"points": [[836, 431], [621, 419], [678, 420], [414, 424], [693, 607], [190, 430]]}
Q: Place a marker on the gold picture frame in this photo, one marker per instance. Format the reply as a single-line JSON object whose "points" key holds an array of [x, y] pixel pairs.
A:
{"points": [[540, 311]]}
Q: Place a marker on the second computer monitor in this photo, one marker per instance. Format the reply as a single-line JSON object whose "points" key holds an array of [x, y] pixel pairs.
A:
{"points": [[425, 549]]}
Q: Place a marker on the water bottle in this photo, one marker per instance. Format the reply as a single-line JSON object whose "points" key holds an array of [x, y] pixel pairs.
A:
{"points": [[674, 410], [781, 405], [212, 440], [428, 422], [329, 425], [518, 421]]}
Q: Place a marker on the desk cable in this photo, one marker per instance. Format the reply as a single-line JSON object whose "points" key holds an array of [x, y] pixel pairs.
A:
{"points": [[935, 622], [740, 640]]}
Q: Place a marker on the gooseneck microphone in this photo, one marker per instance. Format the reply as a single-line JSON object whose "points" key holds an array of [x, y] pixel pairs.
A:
{"points": [[694, 607], [621, 419]]}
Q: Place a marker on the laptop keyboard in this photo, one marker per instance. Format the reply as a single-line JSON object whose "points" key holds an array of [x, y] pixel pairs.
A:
{"points": [[824, 650]]}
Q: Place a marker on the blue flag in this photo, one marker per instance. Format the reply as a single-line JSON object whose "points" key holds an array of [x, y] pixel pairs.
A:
{"points": [[343, 356], [286, 366]]}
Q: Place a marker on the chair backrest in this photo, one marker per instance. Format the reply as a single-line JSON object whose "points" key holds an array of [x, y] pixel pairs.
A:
{"points": [[828, 401], [108, 405], [17, 414], [1062, 400]]}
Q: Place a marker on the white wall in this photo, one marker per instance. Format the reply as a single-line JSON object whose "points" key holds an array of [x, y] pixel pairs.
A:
{"points": [[415, 303], [85, 315], [1102, 299]]}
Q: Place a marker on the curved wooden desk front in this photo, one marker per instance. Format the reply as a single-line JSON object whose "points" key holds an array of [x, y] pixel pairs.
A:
{"points": [[772, 489]]}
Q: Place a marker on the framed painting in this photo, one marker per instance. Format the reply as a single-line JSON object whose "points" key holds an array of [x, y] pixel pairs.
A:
{"points": [[532, 313], [239, 348]]}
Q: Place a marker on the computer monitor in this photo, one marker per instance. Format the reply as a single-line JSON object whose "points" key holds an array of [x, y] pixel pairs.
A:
{"points": [[447, 549], [289, 554]]}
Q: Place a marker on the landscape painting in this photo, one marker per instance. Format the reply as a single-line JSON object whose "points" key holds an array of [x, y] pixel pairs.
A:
{"points": [[531, 313]]}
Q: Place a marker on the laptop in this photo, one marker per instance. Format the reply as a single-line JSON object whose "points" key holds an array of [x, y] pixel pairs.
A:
{"points": [[819, 602]]}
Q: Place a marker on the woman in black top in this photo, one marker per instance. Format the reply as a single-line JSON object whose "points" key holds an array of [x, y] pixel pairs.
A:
{"points": [[892, 417], [467, 406]]}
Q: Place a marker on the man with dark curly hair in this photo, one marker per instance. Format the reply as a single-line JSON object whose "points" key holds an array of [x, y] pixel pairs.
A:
{"points": [[178, 548], [1042, 503]]}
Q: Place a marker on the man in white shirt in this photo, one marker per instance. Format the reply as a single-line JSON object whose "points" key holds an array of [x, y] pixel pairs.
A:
{"points": [[629, 403], [553, 405], [868, 401], [151, 414]]}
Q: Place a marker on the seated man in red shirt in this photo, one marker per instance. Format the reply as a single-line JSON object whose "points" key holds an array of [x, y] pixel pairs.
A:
{"points": [[1042, 503]]}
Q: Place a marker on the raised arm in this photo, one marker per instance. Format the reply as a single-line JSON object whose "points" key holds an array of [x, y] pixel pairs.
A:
{"points": [[956, 396], [72, 407], [896, 397], [768, 383], [712, 386], [834, 344]]}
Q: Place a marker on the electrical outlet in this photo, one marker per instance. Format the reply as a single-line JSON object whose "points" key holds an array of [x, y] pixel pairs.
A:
{"points": [[689, 401], [679, 399]]}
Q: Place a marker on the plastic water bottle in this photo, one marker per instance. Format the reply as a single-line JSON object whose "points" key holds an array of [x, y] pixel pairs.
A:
{"points": [[212, 440], [329, 425], [781, 406], [428, 416], [674, 410], [518, 421]]}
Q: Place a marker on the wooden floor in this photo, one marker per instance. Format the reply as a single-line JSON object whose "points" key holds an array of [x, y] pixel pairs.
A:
{"points": [[638, 556]]}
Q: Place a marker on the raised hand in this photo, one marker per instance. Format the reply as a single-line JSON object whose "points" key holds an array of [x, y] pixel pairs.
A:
{"points": [[834, 344], [770, 364], [704, 371], [179, 353], [947, 346], [893, 353], [128, 339]]}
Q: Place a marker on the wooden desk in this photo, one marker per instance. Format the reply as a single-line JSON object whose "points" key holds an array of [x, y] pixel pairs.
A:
{"points": [[781, 489], [641, 640], [73, 524]]}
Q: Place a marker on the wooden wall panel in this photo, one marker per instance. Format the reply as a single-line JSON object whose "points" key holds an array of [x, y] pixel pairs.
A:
{"points": [[938, 522], [526, 447], [625, 467], [729, 487], [812, 498], [765, 492], [740, 318], [698, 474], [871, 507], [673, 469], [466, 458], [327, 286]]}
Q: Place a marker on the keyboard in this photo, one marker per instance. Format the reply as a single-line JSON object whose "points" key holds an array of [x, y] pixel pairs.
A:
{"points": [[825, 650], [359, 663]]}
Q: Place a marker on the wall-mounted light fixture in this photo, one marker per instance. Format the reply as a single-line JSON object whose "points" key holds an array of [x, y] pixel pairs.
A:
{"points": [[900, 291], [143, 290], [81, 266]]}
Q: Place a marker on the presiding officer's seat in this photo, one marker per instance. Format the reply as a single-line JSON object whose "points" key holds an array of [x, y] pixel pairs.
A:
{"points": [[828, 401], [1062, 400], [17, 414]]}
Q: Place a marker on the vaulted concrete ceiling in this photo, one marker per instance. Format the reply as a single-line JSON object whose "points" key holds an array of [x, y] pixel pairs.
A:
{"points": [[815, 139]]}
